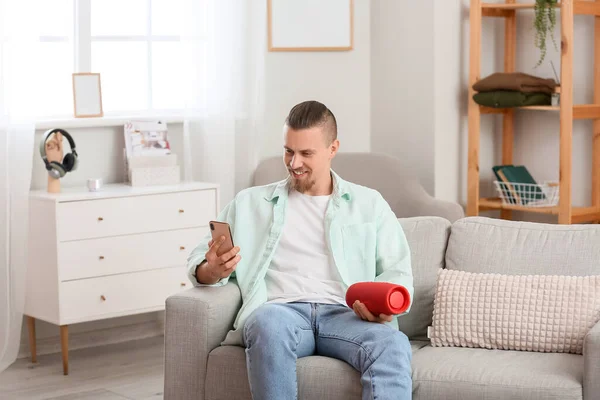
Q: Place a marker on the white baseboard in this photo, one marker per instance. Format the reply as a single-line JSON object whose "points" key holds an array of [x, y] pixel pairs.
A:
{"points": [[98, 337]]}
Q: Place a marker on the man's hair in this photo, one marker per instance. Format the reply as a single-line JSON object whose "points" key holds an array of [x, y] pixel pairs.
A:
{"points": [[310, 114]]}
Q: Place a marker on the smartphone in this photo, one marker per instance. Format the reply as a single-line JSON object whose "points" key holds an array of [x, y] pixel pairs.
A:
{"points": [[218, 229]]}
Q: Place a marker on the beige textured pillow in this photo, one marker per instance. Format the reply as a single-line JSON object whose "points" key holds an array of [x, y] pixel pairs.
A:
{"points": [[544, 313]]}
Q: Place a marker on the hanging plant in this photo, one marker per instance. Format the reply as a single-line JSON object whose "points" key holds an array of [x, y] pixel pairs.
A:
{"points": [[544, 23]]}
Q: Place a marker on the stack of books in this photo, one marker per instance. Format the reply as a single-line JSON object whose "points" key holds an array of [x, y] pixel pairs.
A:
{"points": [[517, 186]]}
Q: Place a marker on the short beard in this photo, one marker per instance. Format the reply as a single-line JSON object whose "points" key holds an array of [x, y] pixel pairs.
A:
{"points": [[302, 186]]}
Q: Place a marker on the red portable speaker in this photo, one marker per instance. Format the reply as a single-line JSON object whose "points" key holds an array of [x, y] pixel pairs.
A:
{"points": [[379, 297]]}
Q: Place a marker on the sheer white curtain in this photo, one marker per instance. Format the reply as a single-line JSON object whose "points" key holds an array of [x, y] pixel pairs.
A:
{"points": [[224, 52], [224, 48], [17, 49]]}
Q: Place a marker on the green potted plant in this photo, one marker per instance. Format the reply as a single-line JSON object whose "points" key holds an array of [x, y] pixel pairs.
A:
{"points": [[544, 23]]}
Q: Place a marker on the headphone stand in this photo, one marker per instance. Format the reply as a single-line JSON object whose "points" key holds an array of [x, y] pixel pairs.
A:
{"points": [[53, 185], [55, 153]]}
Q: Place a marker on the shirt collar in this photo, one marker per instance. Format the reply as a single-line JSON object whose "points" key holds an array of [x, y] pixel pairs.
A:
{"points": [[340, 189]]}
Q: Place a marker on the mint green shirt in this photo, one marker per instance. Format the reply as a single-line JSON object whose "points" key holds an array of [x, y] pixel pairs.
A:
{"points": [[363, 235]]}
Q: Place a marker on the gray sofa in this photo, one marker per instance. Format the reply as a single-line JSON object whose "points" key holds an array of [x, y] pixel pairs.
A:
{"points": [[197, 367], [386, 174]]}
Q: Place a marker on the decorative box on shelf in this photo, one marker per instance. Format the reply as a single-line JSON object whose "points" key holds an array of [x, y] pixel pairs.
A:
{"points": [[153, 170], [154, 176]]}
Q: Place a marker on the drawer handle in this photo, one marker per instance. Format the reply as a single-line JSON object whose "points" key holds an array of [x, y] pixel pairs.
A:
{"points": [[180, 211], [103, 298], [183, 284], [101, 257], [181, 247], [100, 219]]}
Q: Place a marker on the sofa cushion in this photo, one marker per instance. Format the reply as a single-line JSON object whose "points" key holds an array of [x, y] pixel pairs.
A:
{"points": [[452, 373], [547, 313], [479, 244], [318, 377], [427, 238]]}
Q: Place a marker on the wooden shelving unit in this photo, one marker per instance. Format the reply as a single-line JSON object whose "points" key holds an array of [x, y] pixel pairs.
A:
{"points": [[567, 214]]}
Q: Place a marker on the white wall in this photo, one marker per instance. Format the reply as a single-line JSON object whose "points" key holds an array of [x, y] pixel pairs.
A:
{"points": [[402, 84], [449, 102], [340, 80], [419, 73]]}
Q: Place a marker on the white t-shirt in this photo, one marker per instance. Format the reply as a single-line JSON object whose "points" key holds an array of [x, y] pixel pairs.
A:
{"points": [[302, 268]]}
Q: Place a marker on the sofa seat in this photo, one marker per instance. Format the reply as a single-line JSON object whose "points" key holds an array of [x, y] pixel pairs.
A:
{"points": [[474, 374], [318, 377], [440, 372]]}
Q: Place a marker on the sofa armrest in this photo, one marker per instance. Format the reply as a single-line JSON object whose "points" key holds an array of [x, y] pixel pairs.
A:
{"points": [[591, 364], [196, 322], [441, 208], [410, 199]]}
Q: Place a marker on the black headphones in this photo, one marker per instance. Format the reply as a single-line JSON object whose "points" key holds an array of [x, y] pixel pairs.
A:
{"points": [[56, 169]]}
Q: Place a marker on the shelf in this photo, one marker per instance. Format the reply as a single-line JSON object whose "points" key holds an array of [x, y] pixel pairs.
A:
{"points": [[491, 110], [580, 111], [543, 108], [586, 111], [564, 113], [579, 214], [495, 203], [106, 121], [509, 6], [580, 7]]}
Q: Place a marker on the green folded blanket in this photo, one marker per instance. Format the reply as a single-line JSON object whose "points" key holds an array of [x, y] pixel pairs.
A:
{"points": [[507, 99]]}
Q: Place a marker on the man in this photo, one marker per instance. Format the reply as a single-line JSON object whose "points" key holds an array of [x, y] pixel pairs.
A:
{"points": [[304, 241]]}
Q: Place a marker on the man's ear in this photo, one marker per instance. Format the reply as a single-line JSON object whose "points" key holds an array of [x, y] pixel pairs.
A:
{"points": [[333, 148]]}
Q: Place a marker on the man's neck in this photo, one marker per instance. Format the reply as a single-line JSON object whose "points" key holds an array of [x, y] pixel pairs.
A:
{"points": [[324, 189]]}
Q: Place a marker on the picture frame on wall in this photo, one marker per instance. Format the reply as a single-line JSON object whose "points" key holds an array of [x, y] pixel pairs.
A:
{"points": [[310, 25], [87, 95]]}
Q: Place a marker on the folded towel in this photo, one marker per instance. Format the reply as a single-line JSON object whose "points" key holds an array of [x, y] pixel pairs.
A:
{"points": [[516, 81], [507, 99]]}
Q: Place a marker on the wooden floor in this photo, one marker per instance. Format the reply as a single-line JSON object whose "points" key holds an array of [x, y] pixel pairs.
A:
{"points": [[131, 370]]}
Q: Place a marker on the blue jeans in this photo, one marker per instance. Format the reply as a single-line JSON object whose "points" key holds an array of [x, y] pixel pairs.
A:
{"points": [[276, 335]]}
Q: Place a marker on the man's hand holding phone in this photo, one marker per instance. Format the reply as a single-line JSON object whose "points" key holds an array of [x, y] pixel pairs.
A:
{"points": [[218, 265]]}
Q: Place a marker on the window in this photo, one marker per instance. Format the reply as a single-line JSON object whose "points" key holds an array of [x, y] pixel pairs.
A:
{"points": [[37, 57], [135, 45]]}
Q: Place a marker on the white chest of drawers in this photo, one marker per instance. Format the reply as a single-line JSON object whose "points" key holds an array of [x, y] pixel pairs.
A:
{"points": [[116, 252]]}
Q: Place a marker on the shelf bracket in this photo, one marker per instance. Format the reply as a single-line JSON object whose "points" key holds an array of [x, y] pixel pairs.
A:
{"points": [[494, 12], [586, 8]]}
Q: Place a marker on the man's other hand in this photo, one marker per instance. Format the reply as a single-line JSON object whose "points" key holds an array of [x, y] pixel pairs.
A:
{"points": [[361, 310]]}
